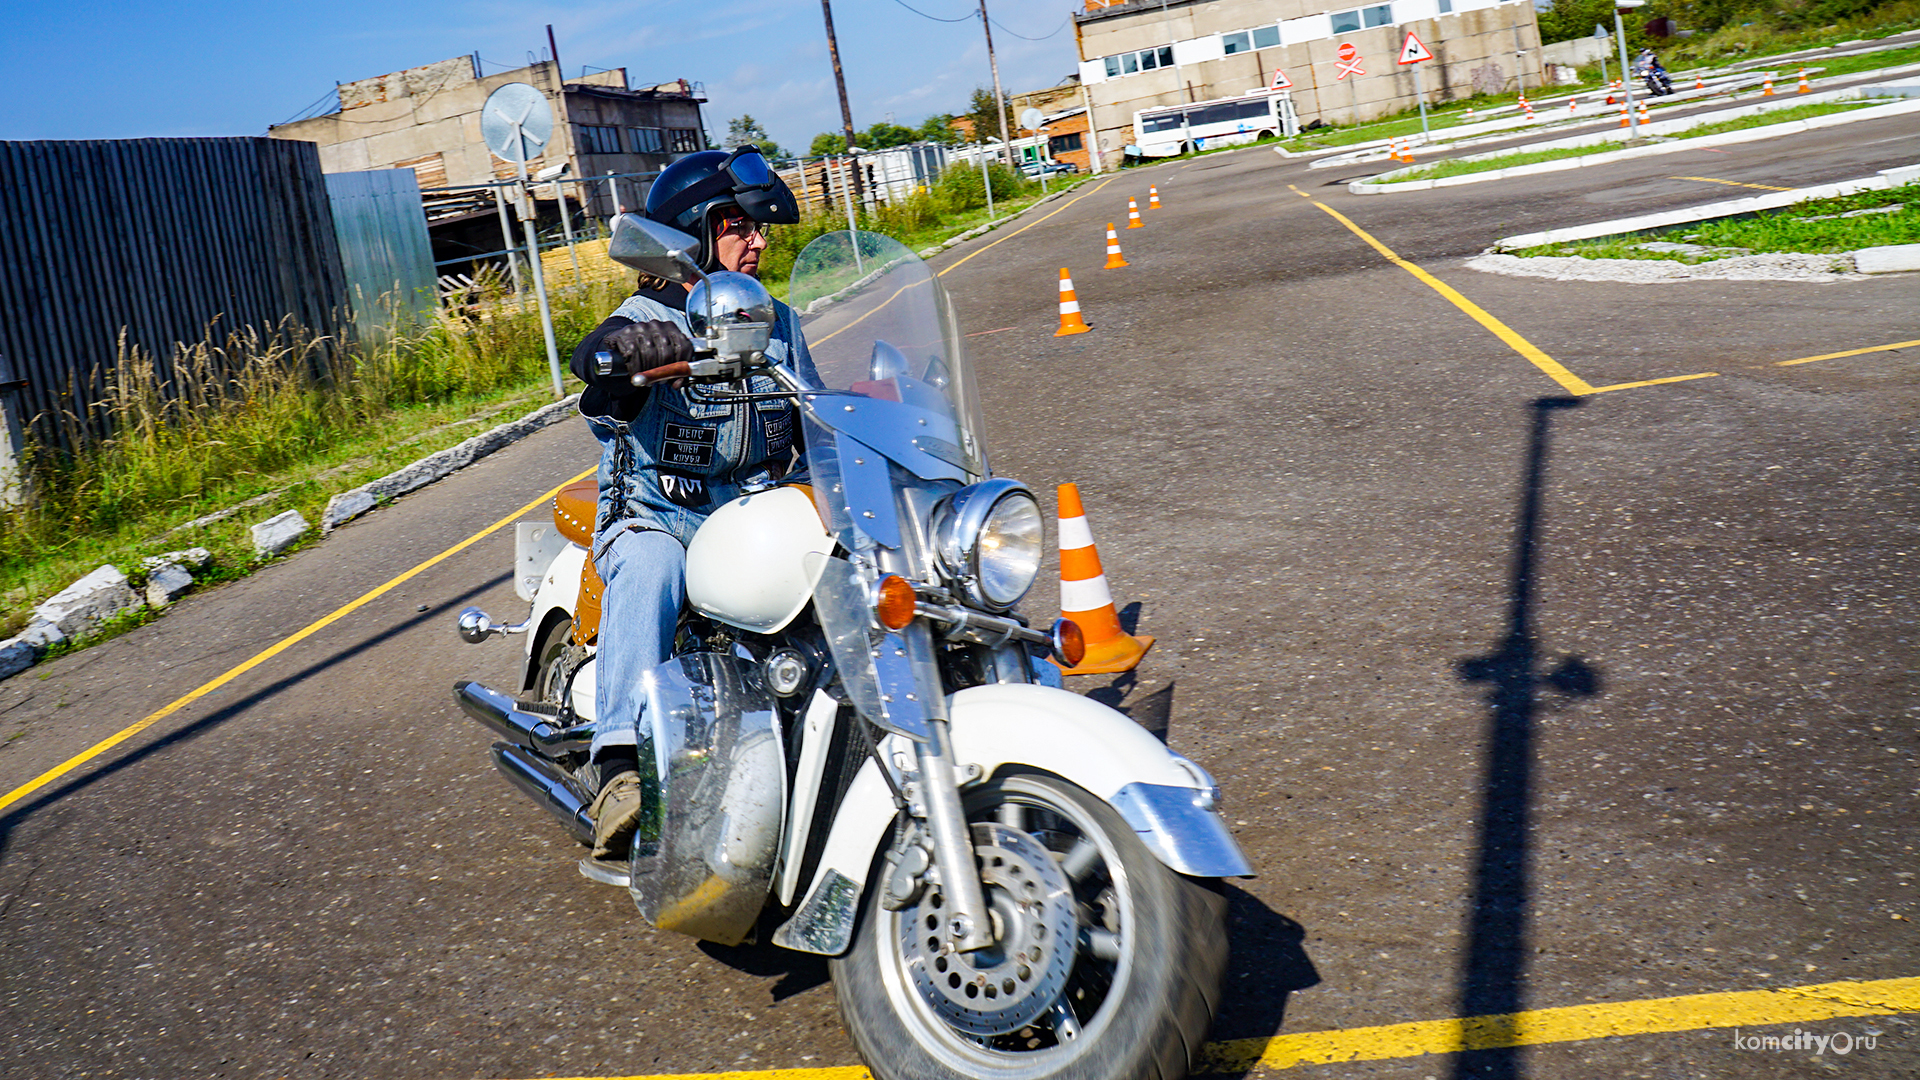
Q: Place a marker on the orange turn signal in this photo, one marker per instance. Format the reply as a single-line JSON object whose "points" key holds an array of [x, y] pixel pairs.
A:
{"points": [[894, 602], [1069, 644]]}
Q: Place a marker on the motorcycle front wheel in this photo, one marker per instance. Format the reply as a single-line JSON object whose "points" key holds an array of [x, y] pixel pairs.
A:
{"points": [[1106, 963]]}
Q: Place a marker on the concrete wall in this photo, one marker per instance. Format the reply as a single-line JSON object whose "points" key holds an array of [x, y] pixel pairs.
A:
{"points": [[1484, 45]]}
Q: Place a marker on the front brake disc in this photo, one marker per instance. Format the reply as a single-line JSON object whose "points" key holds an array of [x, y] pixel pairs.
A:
{"points": [[1011, 983]]}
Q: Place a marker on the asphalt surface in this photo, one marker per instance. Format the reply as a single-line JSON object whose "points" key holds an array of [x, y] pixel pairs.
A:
{"points": [[1517, 702]]}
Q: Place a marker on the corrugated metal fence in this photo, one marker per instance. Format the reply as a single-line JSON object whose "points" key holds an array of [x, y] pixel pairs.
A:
{"points": [[159, 237], [384, 249]]}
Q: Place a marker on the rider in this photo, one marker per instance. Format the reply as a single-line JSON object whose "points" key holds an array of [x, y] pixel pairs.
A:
{"points": [[667, 458]]}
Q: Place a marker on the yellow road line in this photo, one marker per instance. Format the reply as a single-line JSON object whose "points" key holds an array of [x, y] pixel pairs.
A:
{"points": [[1655, 382], [1576, 1023], [269, 653], [1538, 1027], [1567, 379], [1729, 183], [1029, 225], [1850, 352]]}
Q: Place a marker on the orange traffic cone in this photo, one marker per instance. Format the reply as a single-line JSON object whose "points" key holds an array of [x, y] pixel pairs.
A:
{"points": [[1644, 118], [1406, 152], [1085, 598], [1766, 88], [1699, 83], [1573, 105], [1114, 259], [1153, 197], [1070, 320], [1133, 215], [1626, 118], [1804, 88]]}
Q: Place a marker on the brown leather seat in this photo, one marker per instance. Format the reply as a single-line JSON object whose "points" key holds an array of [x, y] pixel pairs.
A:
{"points": [[574, 509]]}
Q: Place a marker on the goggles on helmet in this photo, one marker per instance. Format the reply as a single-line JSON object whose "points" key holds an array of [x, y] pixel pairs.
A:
{"points": [[744, 176]]}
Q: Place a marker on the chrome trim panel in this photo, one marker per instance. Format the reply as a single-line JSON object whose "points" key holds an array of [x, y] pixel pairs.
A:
{"points": [[824, 924], [715, 738], [1175, 825]]}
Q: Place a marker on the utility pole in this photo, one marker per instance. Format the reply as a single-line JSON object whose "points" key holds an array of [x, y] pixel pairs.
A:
{"points": [[999, 100], [840, 80]]}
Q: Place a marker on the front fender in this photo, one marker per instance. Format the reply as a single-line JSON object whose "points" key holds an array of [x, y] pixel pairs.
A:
{"points": [[1166, 798]]}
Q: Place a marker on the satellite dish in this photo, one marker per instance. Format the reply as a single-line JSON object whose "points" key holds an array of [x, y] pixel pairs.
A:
{"points": [[1032, 119], [516, 122]]}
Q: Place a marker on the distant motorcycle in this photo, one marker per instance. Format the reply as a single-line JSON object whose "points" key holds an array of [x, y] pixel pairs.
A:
{"points": [[1650, 72], [849, 753]]}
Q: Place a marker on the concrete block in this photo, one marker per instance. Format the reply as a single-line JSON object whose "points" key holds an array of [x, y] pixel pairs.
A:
{"points": [[278, 533], [16, 656], [344, 507], [192, 560], [166, 584], [1892, 259], [42, 634], [82, 606]]}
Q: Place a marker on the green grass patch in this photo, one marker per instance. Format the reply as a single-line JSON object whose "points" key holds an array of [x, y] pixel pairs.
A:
{"points": [[1791, 229], [1848, 65], [1463, 167]]}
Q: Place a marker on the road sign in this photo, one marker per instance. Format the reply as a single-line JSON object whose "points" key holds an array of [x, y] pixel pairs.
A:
{"points": [[1349, 62], [1280, 80], [1031, 119], [1412, 51], [516, 122]]}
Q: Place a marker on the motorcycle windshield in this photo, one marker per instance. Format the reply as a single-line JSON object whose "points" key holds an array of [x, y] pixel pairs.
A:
{"points": [[897, 401]]}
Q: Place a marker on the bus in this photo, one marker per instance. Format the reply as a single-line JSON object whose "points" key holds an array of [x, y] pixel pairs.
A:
{"points": [[1263, 114]]}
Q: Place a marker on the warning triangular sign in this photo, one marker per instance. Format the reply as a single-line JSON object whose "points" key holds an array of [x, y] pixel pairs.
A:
{"points": [[1280, 80], [1412, 51]]}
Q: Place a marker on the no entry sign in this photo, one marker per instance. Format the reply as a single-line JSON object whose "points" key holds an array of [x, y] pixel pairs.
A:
{"points": [[1349, 62]]}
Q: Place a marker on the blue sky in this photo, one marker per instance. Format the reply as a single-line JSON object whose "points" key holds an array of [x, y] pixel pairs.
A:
{"points": [[144, 69]]}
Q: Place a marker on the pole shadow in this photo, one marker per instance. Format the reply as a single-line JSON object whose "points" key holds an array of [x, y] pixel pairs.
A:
{"points": [[14, 817], [1493, 974]]}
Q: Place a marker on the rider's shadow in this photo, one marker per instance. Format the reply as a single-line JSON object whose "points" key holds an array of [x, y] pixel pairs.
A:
{"points": [[797, 972], [1267, 962]]}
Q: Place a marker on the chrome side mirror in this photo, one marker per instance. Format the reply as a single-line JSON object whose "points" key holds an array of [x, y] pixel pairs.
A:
{"points": [[652, 248]]}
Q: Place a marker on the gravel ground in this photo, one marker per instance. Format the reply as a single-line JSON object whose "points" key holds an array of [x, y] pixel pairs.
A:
{"points": [[1812, 268]]}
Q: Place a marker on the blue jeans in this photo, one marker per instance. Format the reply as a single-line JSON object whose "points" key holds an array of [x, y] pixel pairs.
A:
{"points": [[646, 579]]}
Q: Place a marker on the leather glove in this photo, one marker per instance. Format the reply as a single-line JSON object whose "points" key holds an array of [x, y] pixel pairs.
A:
{"points": [[648, 345]]}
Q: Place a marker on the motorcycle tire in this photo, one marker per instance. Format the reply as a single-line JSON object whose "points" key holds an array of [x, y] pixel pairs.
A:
{"points": [[1144, 978], [549, 679]]}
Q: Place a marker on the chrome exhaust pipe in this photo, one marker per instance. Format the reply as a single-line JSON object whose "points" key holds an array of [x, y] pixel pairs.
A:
{"points": [[547, 786], [505, 717]]}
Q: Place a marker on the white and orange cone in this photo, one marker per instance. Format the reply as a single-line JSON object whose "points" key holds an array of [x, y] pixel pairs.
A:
{"points": [[1766, 88], [1644, 118], [1406, 152], [1115, 260], [1573, 105], [1804, 88], [1626, 118], [1070, 320], [1153, 197], [1086, 600], [1699, 83], [1133, 214]]}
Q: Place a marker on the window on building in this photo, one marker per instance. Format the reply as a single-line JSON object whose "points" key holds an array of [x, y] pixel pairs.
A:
{"points": [[1144, 60], [1446, 7], [1267, 37], [647, 140], [1362, 18], [1238, 42], [683, 140], [599, 140], [1060, 144]]}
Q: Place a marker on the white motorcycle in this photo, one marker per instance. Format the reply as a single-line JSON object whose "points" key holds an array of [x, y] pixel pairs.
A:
{"points": [[851, 752]]}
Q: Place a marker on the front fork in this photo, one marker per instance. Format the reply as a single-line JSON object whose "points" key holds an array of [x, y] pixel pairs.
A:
{"points": [[970, 927]]}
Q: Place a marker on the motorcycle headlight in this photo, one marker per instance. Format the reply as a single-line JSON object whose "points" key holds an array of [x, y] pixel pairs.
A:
{"points": [[989, 538]]}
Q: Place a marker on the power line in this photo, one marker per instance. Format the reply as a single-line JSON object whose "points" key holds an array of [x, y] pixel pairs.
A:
{"points": [[964, 18], [1023, 37]]}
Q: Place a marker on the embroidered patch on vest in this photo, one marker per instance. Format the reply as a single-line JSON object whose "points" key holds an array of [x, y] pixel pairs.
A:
{"points": [[687, 445], [779, 428]]}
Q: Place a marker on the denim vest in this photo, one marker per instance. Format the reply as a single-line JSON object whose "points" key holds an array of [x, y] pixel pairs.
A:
{"points": [[681, 458]]}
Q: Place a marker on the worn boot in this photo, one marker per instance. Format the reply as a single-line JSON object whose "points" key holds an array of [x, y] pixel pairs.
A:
{"points": [[616, 814]]}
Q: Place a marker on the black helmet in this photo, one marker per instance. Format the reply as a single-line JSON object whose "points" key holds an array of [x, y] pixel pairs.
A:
{"points": [[689, 190]]}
